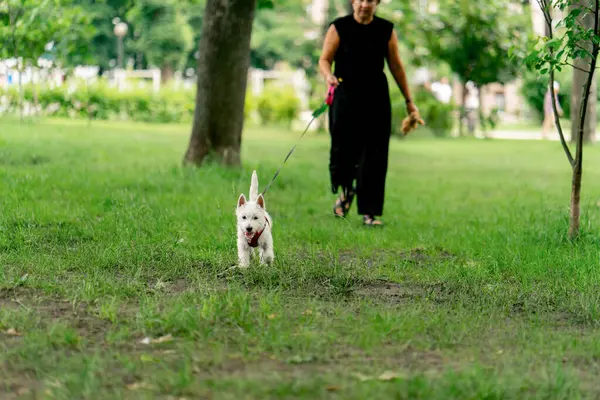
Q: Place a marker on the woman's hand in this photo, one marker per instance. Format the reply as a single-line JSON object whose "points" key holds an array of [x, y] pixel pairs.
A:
{"points": [[412, 120], [332, 80], [411, 108]]}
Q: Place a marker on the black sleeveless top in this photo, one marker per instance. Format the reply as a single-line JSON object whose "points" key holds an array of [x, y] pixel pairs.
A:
{"points": [[362, 49]]}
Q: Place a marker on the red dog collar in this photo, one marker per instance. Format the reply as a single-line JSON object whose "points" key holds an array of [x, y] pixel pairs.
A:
{"points": [[254, 241]]}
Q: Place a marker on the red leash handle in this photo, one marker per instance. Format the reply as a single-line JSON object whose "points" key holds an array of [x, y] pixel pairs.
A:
{"points": [[329, 99]]}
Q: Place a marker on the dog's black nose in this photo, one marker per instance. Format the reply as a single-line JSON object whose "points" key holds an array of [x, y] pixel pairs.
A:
{"points": [[249, 229]]}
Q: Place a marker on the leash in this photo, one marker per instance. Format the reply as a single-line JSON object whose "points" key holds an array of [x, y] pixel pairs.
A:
{"points": [[322, 108]]}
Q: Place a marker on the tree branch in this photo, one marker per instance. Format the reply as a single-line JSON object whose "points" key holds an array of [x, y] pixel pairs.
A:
{"points": [[586, 93], [590, 9], [581, 47], [576, 67], [563, 142], [545, 8]]}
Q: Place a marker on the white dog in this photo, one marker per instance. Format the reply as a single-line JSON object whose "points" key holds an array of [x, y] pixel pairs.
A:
{"points": [[254, 226]]}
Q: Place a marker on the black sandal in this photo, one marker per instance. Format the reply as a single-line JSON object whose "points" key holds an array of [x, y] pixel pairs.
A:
{"points": [[343, 202], [370, 220]]}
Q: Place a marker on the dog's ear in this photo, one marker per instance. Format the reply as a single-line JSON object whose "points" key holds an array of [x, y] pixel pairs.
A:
{"points": [[260, 201], [241, 200]]}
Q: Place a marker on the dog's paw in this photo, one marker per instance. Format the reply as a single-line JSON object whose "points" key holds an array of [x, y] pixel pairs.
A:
{"points": [[267, 259]]}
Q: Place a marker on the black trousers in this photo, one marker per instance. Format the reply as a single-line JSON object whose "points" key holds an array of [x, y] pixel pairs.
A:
{"points": [[360, 129]]}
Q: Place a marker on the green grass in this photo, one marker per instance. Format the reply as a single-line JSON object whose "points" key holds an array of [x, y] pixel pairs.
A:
{"points": [[116, 279], [534, 126], [531, 125]]}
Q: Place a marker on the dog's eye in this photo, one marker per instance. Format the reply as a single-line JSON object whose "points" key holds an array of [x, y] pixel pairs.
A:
{"points": [[255, 217], [243, 217]]}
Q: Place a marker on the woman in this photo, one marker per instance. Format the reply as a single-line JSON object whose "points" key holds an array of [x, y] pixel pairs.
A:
{"points": [[360, 115]]}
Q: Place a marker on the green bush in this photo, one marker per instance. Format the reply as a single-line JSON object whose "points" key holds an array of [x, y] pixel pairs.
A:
{"points": [[278, 104], [102, 102], [534, 88], [249, 105], [438, 116]]}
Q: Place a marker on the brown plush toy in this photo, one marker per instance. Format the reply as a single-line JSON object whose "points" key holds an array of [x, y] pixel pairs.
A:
{"points": [[410, 123]]}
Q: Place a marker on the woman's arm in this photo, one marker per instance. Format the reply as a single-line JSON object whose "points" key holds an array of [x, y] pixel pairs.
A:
{"points": [[397, 69], [330, 46]]}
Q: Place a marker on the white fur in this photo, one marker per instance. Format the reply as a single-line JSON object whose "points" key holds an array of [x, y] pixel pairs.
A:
{"points": [[252, 217]]}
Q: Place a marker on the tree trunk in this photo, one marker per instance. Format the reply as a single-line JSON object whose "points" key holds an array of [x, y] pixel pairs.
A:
{"points": [[547, 28], [35, 93], [583, 119], [222, 79], [579, 81], [575, 201], [20, 70], [166, 73], [463, 110], [21, 94], [481, 117], [13, 23]]}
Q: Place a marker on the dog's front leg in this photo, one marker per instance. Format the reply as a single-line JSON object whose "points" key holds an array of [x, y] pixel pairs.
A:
{"points": [[266, 257], [243, 253], [266, 252], [244, 258]]}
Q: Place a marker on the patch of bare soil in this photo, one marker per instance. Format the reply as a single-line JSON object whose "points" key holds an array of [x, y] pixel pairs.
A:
{"points": [[389, 291], [9, 296], [176, 286], [348, 365], [351, 362], [17, 387], [418, 256], [421, 256], [48, 309], [396, 293], [78, 315], [393, 292]]}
